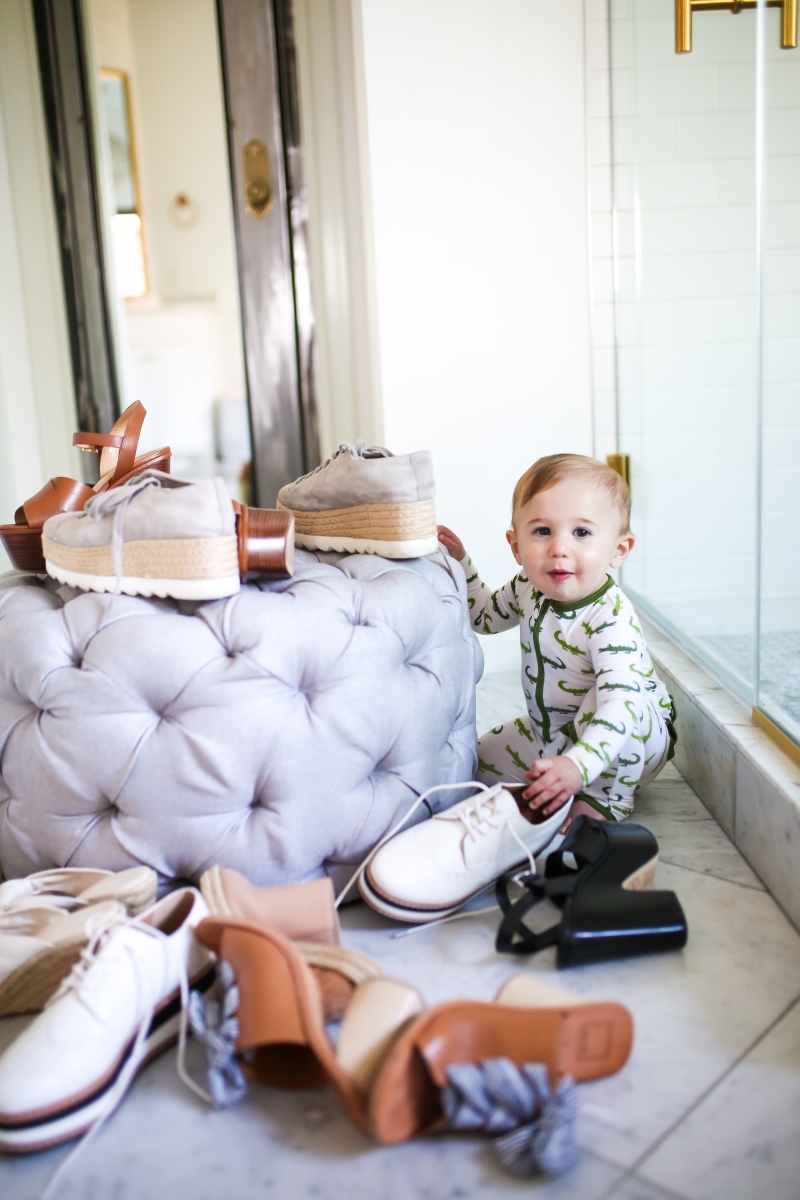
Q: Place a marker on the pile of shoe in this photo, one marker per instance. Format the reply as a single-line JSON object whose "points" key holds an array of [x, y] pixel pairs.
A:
{"points": [[398, 1068], [142, 532]]}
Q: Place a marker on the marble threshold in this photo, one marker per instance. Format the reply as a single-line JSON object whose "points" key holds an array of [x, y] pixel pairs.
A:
{"points": [[742, 777]]}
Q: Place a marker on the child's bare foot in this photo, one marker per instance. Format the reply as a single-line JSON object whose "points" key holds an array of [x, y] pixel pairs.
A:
{"points": [[580, 809]]}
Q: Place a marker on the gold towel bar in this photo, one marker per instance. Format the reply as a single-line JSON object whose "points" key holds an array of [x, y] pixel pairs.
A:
{"points": [[685, 8]]}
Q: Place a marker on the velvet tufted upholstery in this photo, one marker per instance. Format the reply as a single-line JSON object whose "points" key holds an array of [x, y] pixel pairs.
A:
{"points": [[279, 732]]}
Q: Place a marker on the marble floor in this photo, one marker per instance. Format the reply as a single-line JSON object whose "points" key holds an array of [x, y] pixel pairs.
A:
{"points": [[707, 1108]]}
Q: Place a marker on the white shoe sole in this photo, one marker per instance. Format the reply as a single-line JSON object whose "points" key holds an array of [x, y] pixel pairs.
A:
{"points": [[75, 1119], [420, 548], [409, 916], [542, 843], [133, 585]]}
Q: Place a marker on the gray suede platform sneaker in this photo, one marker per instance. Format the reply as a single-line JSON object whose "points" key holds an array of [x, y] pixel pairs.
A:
{"points": [[366, 501], [154, 536]]}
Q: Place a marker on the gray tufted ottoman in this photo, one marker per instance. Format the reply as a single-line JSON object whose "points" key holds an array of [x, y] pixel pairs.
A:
{"points": [[280, 732]]}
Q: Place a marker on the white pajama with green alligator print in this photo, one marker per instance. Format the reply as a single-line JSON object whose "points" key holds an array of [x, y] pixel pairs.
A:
{"points": [[592, 691]]}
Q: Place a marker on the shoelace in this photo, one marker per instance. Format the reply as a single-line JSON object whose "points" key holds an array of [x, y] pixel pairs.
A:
{"points": [[357, 451], [481, 817], [469, 829], [116, 500], [91, 970]]}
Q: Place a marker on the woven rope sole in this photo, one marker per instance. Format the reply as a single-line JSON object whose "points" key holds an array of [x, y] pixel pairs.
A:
{"points": [[184, 568], [156, 558], [30, 987], [414, 522]]}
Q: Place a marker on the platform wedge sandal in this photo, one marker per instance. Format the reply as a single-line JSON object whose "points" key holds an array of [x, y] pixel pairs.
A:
{"points": [[601, 877], [118, 464]]}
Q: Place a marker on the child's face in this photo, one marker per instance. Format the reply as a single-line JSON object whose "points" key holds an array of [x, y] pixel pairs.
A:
{"points": [[567, 537]]}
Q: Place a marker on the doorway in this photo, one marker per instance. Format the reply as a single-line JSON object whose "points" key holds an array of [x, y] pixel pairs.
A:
{"points": [[177, 169]]}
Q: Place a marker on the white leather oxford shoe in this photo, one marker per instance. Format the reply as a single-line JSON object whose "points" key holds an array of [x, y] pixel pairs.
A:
{"points": [[119, 1007], [436, 866]]}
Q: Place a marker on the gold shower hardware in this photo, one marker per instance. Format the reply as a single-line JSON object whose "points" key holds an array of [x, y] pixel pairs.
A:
{"points": [[685, 8], [258, 195], [621, 463]]}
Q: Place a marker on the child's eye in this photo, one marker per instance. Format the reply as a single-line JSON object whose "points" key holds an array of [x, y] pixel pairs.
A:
{"points": [[541, 531], [581, 533]]}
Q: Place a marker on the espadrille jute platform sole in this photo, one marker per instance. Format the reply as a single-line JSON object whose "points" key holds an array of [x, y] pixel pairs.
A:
{"points": [[184, 568], [390, 530]]}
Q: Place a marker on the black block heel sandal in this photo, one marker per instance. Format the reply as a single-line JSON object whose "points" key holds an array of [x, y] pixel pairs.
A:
{"points": [[609, 910]]}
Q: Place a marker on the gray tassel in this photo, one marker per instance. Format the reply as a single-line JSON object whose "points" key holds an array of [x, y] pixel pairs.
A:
{"points": [[537, 1125], [213, 1023]]}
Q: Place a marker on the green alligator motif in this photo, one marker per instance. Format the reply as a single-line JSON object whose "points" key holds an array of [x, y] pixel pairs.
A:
{"points": [[634, 626], [646, 736], [523, 728], [619, 649], [558, 664], [619, 687], [525, 648], [515, 758], [566, 646], [591, 632], [471, 602], [472, 578], [488, 768], [503, 616], [572, 691], [609, 725], [617, 604]]}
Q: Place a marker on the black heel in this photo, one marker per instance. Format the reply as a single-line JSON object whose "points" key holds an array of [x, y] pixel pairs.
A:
{"points": [[608, 911]]}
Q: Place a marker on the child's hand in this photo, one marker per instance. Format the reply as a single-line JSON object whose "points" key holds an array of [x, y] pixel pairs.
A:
{"points": [[452, 543], [554, 781]]}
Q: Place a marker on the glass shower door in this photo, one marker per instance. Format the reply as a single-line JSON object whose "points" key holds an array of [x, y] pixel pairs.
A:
{"points": [[686, 281], [778, 680]]}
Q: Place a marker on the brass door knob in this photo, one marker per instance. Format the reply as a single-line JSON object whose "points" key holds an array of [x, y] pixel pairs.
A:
{"points": [[257, 190]]}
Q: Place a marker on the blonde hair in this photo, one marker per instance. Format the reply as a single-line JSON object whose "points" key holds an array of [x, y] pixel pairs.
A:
{"points": [[548, 471]]}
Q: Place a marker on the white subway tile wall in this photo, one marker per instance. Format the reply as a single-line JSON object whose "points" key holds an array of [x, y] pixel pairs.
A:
{"points": [[672, 158]]}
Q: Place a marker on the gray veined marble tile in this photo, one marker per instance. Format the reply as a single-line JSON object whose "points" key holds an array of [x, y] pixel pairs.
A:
{"points": [[162, 1143], [633, 1187], [707, 760], [499, 698], [768, 832], [743, 1141], [687, 833]]}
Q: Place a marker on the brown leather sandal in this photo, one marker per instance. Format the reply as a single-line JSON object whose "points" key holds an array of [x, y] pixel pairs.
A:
{"points": [[306, 914], [282, 1036], [118, 463], [529, 1021], [388, 1067]]}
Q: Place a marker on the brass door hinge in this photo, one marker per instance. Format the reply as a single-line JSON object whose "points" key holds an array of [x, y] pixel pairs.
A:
{"points": [[685, 8], [621, 463]]}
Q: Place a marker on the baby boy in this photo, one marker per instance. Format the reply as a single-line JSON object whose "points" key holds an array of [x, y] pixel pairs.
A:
{"points": [[599, 722]]}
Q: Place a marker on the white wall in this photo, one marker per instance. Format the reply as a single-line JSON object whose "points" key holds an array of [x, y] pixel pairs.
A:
{"points": [[475, 115], [37, 408]]}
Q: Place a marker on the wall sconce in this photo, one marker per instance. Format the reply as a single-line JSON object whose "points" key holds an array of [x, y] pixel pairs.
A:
{"points": [[685, 8]]}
